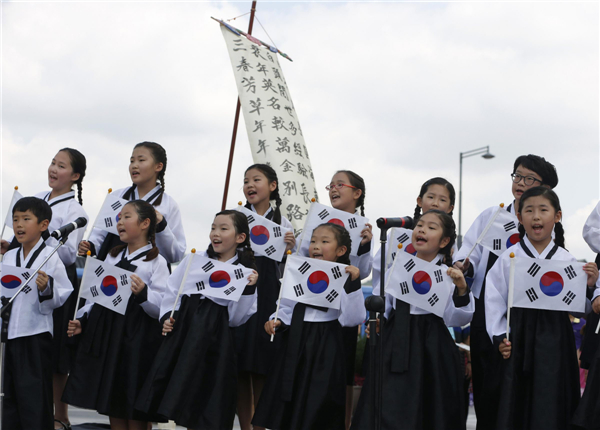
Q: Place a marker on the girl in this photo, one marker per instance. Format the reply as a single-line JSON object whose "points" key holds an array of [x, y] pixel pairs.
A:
{"points": [[193, 378], [147, 168], [540, 382], [254, 348], [313, 353], [113, 356]]}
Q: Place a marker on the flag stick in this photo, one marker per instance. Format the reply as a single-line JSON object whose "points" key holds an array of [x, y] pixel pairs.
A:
{"points": [[598, 327], [187, 270], [511, 289], [463, 346], [91, 226], [389, 249], [88, 256], [279, 300], [485, 230]]}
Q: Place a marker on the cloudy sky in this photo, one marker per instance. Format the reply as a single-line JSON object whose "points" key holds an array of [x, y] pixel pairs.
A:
{"points": [[392, 90]]}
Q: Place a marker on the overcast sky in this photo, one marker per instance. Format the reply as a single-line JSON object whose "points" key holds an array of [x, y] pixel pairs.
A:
{"points": [[393, 91]]}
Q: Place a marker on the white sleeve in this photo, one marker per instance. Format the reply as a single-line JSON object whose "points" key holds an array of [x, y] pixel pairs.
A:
{"points": [[470, 238], [172, 288], [85, 309], [171, 241], [364, 262], [97, 237], [242, 310], [61, 286], [461, 316], [591, 229], [286, 309], [496, 298], [68, 252], [156, 287], [352, 309]]}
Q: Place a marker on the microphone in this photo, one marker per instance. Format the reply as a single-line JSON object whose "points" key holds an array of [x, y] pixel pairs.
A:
{"points": [[65, 230], [405, 222]]}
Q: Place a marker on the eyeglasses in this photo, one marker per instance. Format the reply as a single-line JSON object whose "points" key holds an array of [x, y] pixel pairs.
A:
{"points": [[338, 186], [528, 180]]}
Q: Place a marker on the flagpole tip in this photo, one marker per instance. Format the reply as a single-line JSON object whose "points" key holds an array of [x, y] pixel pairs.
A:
{"points": [[400, 246], [289, 252], [109, 190], [501, 205], [512, 255], [88, 253], [313, 200], [240, 203], [16, 187], [193, 250]]}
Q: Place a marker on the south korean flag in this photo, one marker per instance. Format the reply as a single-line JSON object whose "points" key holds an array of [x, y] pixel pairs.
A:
{"points": [[266, 237], [106, 285], [502, 234], [9, 215], [319, 214], [110, 213], [399, 235], [314, 282], [12, 278], [419, 283], [553, 285], [212, 278]]}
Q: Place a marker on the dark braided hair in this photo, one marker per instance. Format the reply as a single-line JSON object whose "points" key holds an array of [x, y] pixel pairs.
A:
{"points": [[271, 176], [144, 211], [244, 251], [160, 156], [78, 164], [448, 230], [434, 181], [342, 238], [358, 182], [548, 194]]}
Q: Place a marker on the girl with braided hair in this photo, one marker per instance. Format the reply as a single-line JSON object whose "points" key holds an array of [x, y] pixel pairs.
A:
{"points": [[254, 349], [147, 168]]}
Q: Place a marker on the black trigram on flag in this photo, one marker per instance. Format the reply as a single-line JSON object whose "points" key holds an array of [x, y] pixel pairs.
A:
{"points": [[200, 285], [403, 287], [402, 238], [497, 244], [94, 291], [332, 296], [99, 270], [270, 250], [27, 289], [26, 275], [239, 273], [323, 214], [393, 256], [438, 276], [228, 291], [116, 301], [250, 219], [569, 297], [352, 223], [298, 290], [304, 268], [336, 272], [124, 280], [509, 226], [208, 266], [108, 222], [409, 265], [534, 269], [433, 299], [116, 205], [277, 231], [531, 294], [570, 272]]}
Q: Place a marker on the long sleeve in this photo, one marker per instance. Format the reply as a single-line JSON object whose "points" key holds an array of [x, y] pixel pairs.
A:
{"points": [[156, 287], [242, 310], [352, 306], [458, 316], [59, 285], [496, 298], [364, 261], [172, 288], [171, 241]]}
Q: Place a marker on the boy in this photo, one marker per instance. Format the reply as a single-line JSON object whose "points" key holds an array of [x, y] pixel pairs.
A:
{"points": [[528, 171], [28, 357]]}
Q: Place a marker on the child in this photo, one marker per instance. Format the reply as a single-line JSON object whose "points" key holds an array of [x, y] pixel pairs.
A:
{"points": [[528, 171], [313, 349], [193, 378], [422, 378], [28, 359], [115, 350], [147, 167], [255, 351], [540, 382]]}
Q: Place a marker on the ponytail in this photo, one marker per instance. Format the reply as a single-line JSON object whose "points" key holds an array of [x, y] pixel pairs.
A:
{"points": [[559, 234], [417, 214], [79, 165]]}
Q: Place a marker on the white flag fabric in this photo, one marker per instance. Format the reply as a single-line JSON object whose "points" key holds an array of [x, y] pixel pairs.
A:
{"points": [[12, 278], [314, 282], [109, 214], [272, 124], [420, 283], [213, 278], [319, 214], [549, 284], [106, 285], [399, 235], [266, 237], [503, 233], [9, 215]]}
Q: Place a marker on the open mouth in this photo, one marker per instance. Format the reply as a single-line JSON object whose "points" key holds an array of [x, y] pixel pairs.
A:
{"points": [[317, 255], [334, 197], [537, 228], [121, 230], [421, 239], [252, 193]]}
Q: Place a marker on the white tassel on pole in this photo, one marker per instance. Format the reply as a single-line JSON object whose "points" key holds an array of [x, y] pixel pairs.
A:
{"points": [[183, 280], [485, 230], [511, 289]]}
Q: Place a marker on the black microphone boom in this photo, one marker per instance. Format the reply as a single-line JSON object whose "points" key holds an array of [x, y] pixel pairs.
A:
{"points": [[65, 230], [405, 222]]}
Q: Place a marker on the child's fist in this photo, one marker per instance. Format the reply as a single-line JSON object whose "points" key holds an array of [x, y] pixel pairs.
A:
{"points": [[463, 266], [354, 272], [137, 285], [290, 240], [366, 234], [505, 348], [458, 279], [41, 281], [74, 328], [83, 248], [596, 305], [271, 325], [592, 271], [168, 326], [253, 277]]}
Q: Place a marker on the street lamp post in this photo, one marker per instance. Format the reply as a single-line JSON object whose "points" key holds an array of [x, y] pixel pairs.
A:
{"points": [[485, 153]]}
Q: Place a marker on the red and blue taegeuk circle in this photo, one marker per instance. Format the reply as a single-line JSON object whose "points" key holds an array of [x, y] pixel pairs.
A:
{"points": [[336, 221], [10, 281], [512, 240], [219, 279], [421, 282], [118, 217], [259, 234], [317, 282], [410, 249], [109, 286], [551, 284]]}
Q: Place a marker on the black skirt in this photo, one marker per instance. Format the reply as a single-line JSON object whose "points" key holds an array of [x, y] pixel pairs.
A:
{"points": [[113, 360], [587, 415], [429, 394], [540, 381], [255, 351], [63, 346], [193, 380], [319, 388]]}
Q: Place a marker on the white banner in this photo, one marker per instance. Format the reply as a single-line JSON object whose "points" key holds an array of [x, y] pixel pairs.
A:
{"points": [[272, 122], [12, 278], [109, 214], [503, 233], [266, 237], [106, 285]]}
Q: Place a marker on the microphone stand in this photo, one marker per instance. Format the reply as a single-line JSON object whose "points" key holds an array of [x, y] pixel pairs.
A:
{"points": [[5, 314]]}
